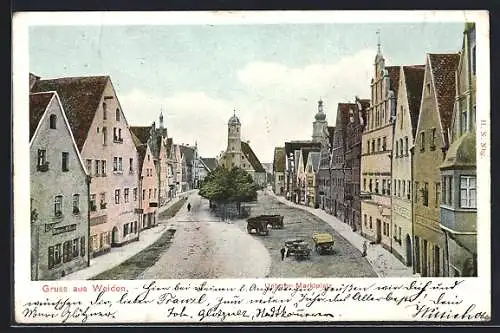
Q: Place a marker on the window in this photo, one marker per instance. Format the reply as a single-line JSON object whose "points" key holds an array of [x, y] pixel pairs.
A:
{"points": [[371, 186], [135, 194], [383, 186], [368, 147], [378, 144], [373, 145], [399, 187], [104, 136], [401, 147], [467, 192], [82, 246], [438, 194], [53, 121], [75, 248], [54, 255], [408, 194], [97, 168], [51, 257], [76, 203], [463, 119], [143, 194], [406, 146], [103, 200], [115, 137], [117, 196], [397, 148], [93, 206], [130, 165], [364, 184], [433, 139], [117, 114], [401, 117], [149, 194], [42, 164], [103, 168], [403, 184], [125, 229], [89, 167], [395, 187], [376, 185], [115, 163], [58, 201], [366, 221], [126, 194], [120, 165], [148, 157], [389, 187], [65, 161], [154, 194], [104, 111], [384, 143], [425, 194], [120, 135], [371, 225], [422, 141], [67, 251], [428, 88]]}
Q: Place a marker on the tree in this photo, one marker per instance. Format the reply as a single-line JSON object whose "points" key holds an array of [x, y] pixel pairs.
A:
{"points": [[223, 186]]}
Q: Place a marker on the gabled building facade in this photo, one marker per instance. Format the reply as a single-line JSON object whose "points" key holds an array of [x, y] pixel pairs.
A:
{"points": [[431, 144], [376, 154], [405, 126], [458, 209], [279, 171], [59, 190], [311, 170], [105, 143], [354, 130], [324, 174], [148, 177]]}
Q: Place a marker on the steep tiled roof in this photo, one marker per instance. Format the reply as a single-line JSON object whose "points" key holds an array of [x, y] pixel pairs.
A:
{"points": [[252, 158], [306, 151], [141, 148], [80, 98], [292, 146], [331, 133], [210, 162], [343, 114], [188, 153], [393, 72], [414, 80], [38, 105], [168, 146], [33, 79], [279, 159], [141, 132], [443, 68]]}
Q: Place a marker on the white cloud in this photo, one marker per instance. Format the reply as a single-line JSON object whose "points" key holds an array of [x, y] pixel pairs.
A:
{"points": [[278, 104]]}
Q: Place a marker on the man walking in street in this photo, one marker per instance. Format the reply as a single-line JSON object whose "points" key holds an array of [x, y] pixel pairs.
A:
{"points": [[189, 207], [364, 249], [282, 253]]}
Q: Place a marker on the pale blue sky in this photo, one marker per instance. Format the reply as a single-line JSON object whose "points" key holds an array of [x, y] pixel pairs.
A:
{"points": [[272, 74]]}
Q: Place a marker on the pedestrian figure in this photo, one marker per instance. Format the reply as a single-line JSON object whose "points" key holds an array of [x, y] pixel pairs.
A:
{"points": [[364, 249], [189, 207], [282, 253]]}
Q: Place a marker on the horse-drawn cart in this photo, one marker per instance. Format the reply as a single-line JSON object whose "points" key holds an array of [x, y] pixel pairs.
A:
{"points": [[323, 242], [257, 226], [275, 221], [298, 248]]}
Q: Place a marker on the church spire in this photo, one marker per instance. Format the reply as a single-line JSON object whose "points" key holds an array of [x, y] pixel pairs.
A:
{"points": [[379, 48]]}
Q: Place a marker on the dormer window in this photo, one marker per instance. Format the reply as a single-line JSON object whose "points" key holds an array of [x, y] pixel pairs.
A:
{"points": [[428, 88], [53, 121]]}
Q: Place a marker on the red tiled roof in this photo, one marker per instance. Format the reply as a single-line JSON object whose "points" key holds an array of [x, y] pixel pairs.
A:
{"points": [[443, 68], [80, 98], [38, 105], [414, 80]]}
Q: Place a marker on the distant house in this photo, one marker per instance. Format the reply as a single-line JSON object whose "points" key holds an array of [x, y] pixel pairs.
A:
{"points": [[148, 182], [210, 163], [103, 138], [206, 166], [240, 154], [59, 190], [312, 167], [279, 171]]}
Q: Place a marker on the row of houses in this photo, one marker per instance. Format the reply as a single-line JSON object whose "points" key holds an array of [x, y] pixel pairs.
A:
{"points": [[400, 167], [96, 181]]}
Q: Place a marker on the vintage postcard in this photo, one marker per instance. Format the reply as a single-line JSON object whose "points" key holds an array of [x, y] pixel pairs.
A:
{"points": [[251, 167]]}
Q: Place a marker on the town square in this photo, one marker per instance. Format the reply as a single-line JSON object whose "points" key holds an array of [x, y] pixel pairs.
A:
{"points": [[259, 151]]}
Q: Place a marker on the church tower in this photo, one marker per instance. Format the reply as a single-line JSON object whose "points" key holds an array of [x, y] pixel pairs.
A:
{"points": [[162, 129], [320, 124], [233, 151]]}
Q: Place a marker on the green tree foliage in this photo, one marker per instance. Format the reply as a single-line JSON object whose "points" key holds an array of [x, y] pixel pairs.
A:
{"points": [[235, 185]]}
